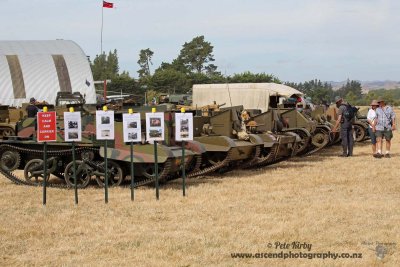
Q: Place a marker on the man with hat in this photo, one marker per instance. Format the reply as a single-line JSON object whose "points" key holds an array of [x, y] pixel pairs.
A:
{"points": [[346, 127], [31, 109], [386, 122], [372, 120]]}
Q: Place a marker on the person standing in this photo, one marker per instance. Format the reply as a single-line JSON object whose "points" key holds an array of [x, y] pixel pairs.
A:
{"points": [[385, 124], [346, 126], [372, 120], [31, 109]]}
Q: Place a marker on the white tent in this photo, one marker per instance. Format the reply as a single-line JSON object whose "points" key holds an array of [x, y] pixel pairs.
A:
{"points": [[40, 69], [250, 95]]}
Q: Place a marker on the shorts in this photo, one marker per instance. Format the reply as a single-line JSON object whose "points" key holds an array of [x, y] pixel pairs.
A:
{"points": [[372, 135], [387, 134]]}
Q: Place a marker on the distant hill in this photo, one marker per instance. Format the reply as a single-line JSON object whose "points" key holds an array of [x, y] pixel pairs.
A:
{"points": [[369, 85]]}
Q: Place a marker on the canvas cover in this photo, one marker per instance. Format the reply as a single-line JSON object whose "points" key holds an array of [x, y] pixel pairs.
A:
{"points": [[250, 95]]}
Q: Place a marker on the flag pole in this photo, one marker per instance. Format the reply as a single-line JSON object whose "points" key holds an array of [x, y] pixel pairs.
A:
{"points": [[101, 34]]}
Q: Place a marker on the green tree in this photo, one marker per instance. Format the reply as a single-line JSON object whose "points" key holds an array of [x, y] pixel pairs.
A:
{"points": [[105, 67], [248, 77], [196, 56], [144, 62], [353, 86], [318, 92], [170, 81]]}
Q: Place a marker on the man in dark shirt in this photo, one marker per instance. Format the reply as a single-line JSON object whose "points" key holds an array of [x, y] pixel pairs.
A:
{"points": [[31, 109], [346, 128]]}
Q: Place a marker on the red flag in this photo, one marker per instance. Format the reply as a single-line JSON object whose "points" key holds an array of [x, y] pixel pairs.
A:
{"points": [[108, 4]]}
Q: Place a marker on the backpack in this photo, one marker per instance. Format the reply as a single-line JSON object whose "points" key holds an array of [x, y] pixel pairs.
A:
{"points": [[350, 112]]}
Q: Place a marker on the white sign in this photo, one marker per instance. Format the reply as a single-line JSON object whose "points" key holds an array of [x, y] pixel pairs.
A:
{"points": [[155, 126], [183, 126], [105, 125], [72, 126], [132, 127]]}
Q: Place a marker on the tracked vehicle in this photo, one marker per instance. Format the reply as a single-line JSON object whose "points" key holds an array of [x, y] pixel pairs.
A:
{"points": [[23, 152], [360, 123], [268, 97], [8, 120], [225, 139]]}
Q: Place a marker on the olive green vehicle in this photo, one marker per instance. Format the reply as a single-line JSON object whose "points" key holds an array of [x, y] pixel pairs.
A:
{"points": [[8, 119], [277, 146], [22, 151], [314, 135], [319, 115], [360, 123], [268, 97], [225, 138]]}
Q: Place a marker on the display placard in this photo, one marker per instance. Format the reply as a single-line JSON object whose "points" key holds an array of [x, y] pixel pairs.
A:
{"points": [[72, 126], [155, 126], [183, 126], [105, 125], [47, 126], [132, 127]]}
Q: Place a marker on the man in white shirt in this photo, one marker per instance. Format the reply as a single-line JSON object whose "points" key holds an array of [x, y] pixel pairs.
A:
{"points": [[385, 125], [372, 120]]}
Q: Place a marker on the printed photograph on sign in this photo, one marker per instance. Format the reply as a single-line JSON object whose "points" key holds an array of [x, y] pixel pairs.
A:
{"points": [[132, 136], [155, 126], [72, 126], [105, 120], [105, 133], [183, 126], [132, 128], [155, 122], [73, 136], [133, 125], [105, 125]]}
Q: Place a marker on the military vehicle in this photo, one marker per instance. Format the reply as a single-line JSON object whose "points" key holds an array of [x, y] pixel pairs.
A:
{"points": [[277, 146], [177, 99], [267, 97], [320, 116], [360, 124], [227, 140], [8, 119], [22, 151]]}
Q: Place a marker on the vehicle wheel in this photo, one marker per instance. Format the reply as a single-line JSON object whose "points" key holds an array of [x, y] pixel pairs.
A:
{"points": [[83, 174], [320, 138], [115, 174], [360, 132], [33, 172], [10, 160]]}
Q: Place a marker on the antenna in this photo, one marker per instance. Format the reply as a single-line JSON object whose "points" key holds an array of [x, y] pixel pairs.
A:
{"points": [[227, 86]]}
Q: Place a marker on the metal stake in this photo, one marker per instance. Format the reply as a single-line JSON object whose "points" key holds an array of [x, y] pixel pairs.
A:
{"points": [[106, 173], [45, 173], [132, 175], [183, 169], [74, 167], [156, 170]]}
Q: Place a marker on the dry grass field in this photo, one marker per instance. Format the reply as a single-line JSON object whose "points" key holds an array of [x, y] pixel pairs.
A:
{"points": [[334, 204]]}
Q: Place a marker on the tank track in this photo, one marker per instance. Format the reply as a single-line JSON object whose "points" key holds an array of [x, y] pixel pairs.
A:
{"points": [[254, 159], [65, 152], [212, 168], [19, 181], [163, 176]]}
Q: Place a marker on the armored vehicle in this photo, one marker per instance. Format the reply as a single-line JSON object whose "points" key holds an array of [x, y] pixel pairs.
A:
{"points": [[265, 97], [24, 152], [228, 142], [8, 119]]}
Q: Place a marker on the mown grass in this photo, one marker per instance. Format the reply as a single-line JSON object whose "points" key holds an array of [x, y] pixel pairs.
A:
{"points": [[335, 204]]}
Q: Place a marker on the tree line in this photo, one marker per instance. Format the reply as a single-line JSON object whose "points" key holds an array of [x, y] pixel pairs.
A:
{"points": [[195, 65]]}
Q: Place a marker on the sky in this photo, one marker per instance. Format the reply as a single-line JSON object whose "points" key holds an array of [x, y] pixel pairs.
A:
{"points": [[295, 40]]}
